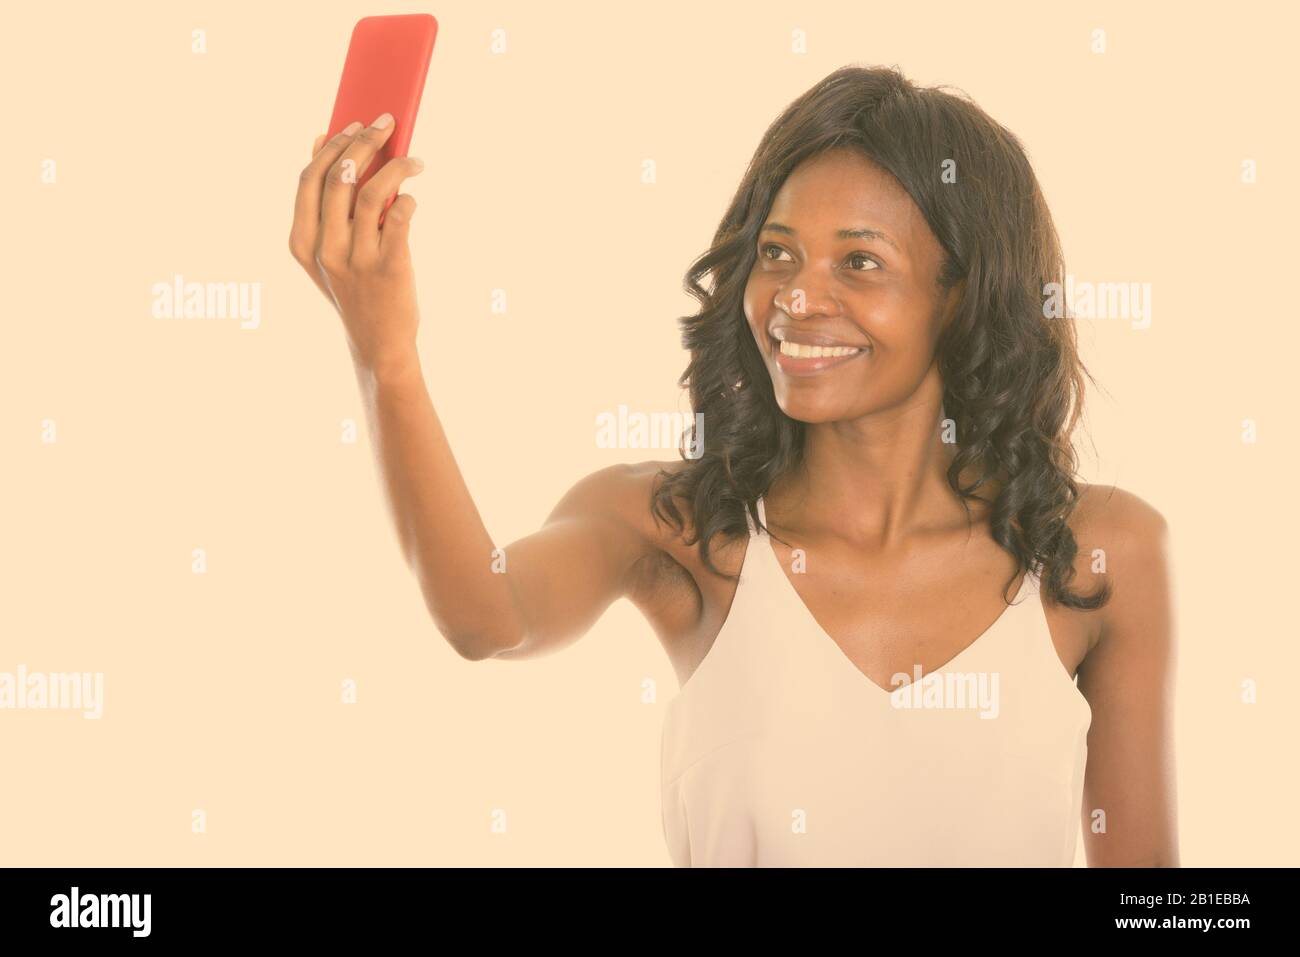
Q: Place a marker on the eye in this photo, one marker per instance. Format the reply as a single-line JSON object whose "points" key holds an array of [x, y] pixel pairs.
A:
{"points": [[855, 258]]}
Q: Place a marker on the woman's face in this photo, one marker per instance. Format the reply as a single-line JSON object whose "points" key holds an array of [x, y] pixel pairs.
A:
{"points": [[846, 262]]}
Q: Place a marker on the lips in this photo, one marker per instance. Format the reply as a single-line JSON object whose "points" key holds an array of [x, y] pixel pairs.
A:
{"points": [[799, 352], [805, 338]]}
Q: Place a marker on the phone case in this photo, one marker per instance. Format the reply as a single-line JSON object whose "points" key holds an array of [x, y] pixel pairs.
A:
{"points": [[384, 72]]}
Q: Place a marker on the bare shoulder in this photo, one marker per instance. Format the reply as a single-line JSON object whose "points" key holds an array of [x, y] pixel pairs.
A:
{"points": [[1122, 524], [1125, 540], [618, 494]]}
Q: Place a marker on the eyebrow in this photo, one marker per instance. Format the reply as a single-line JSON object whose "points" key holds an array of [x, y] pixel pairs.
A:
{"points": [[863, 233]]}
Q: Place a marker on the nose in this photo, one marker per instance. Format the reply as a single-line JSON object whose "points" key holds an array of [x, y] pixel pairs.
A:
{"points": [[804, 297]]}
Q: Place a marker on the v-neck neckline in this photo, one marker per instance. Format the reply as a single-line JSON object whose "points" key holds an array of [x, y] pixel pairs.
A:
{"points": [[764, 540]]}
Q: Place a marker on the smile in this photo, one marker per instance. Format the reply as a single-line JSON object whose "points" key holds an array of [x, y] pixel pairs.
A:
{"points": [[811, 358]]}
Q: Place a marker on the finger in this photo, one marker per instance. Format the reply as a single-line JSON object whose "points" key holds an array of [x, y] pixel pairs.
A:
{"points": [[315, 147], [336, 202], [373, 196], [306, 205], [397, 227]]}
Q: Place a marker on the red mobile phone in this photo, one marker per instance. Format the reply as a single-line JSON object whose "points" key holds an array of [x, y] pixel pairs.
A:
{"points": [[384, 72]]}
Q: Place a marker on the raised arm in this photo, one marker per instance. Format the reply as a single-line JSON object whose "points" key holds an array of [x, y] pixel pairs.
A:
{"points": [[540, 592]]}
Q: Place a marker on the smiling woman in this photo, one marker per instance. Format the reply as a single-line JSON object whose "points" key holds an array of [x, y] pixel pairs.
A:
{"points": [[878, 374]]}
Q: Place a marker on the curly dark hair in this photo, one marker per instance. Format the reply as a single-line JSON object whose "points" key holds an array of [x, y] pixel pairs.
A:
{"points": [[1012, 378]]}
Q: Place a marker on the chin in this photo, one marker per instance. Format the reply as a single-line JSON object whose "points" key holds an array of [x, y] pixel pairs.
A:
{"points": [[813, 413]]}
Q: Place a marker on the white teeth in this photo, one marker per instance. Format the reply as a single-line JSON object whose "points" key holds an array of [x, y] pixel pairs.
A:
{"points": [[816, 352]]}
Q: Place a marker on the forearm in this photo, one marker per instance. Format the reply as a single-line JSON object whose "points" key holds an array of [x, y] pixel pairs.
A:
{"points": [[442, 537]]}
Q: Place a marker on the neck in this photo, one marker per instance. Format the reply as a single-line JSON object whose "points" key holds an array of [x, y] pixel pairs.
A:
{"points": [[877, 480]]}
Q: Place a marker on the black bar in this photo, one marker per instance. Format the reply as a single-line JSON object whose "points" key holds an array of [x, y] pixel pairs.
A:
{"points": [[370, 905]]}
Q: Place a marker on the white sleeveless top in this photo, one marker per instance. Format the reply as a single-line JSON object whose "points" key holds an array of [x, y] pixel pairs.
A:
{"points": [[778, 751]]}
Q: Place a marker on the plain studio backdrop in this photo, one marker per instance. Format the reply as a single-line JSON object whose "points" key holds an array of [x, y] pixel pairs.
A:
{"points": [[577, 160]]}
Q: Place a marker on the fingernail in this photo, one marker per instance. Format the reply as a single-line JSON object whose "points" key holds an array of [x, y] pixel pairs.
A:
{"points": [[383, 122], [416, 162], [351, 128]]}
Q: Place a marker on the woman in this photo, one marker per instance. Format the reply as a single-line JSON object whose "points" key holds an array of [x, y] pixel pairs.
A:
{"points": [[879, 581]]}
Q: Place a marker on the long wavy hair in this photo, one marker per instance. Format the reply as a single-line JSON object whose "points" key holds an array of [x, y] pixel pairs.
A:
{"points": [[1012, 378]]}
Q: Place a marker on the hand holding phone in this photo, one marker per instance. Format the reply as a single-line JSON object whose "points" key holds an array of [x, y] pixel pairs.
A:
{"points": [[357, 258], [384, 72]]}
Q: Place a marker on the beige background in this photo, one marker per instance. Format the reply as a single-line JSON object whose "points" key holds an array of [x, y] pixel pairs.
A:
{"points": [[222, 691]]}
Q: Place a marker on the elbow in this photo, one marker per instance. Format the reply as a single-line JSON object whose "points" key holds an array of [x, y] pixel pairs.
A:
{"points": [[477, 648], [476, 644], [472, 648], [478, 636]]}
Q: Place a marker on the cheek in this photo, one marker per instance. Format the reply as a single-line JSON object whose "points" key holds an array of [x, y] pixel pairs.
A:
{"points": [[901, 321], [754, 300]]}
